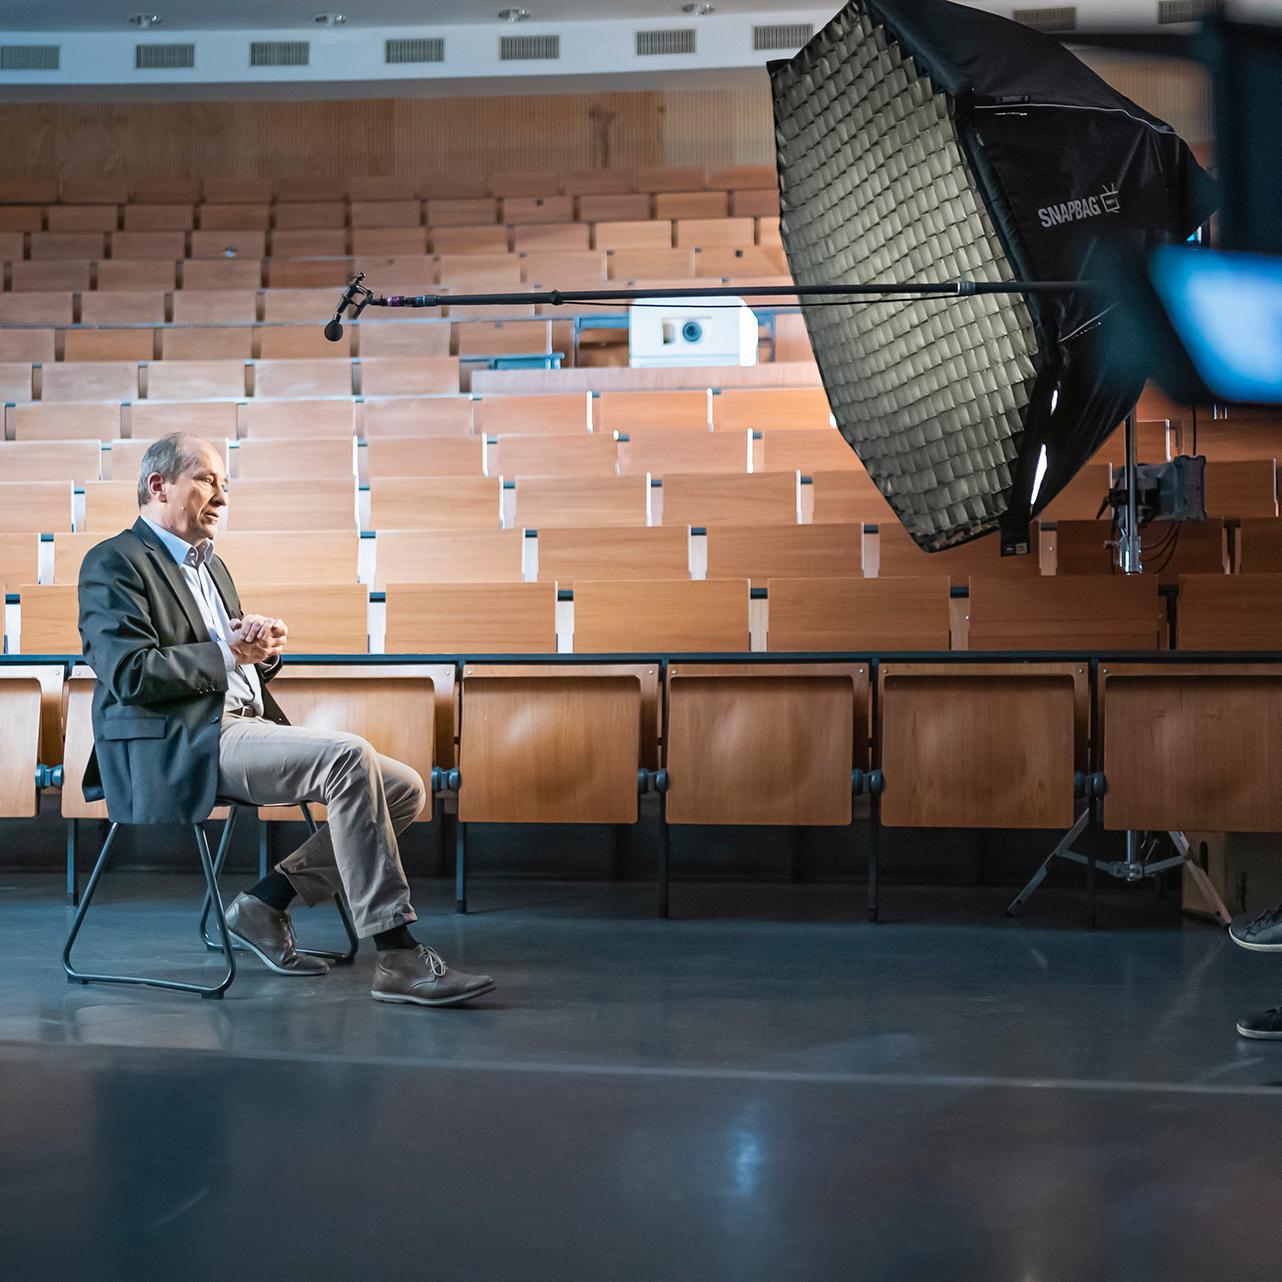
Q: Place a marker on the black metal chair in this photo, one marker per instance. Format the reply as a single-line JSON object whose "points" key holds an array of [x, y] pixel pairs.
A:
{"points": [[212, 867]]}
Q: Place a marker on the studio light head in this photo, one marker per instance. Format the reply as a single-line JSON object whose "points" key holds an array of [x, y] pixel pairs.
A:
{"points": [[922, 140]]}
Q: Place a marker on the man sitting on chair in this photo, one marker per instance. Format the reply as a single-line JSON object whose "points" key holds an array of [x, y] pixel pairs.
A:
{"points": [[182, 715]]}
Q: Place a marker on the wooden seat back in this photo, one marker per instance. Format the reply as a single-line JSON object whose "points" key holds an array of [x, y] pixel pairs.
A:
{"points": [[1229, 612], [643, 552], [476, 618], [764, 498], [436, 503], [771, 744], [274, 505], [448, 556], [556, 744], [1070, 612], [834, 614], [759, 552], [578, 502], [42, 507], [676, 615], [20, 701]]}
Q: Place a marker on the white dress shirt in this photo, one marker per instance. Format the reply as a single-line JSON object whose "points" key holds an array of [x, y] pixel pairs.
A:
{"points": [[243, 686]]}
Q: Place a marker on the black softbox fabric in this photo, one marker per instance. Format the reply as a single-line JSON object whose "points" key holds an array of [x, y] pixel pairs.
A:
{"points": [[923, 140]]}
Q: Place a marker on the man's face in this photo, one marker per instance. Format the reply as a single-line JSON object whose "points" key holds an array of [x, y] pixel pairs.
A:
{"points": [[191, 505]]}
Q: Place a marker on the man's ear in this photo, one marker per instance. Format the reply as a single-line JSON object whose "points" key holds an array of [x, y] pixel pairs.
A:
{"points": [[155, 487]]}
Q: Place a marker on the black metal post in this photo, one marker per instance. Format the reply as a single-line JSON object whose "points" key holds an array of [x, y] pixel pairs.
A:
{"points": [[460, 867], [73, 879]]}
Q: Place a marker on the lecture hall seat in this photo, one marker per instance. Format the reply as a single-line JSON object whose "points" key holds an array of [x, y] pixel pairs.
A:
{"points": [[448, 556], [612, 553]]}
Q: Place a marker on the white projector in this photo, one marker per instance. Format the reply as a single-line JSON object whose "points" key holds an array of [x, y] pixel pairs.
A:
{"points": [[691, 331]]}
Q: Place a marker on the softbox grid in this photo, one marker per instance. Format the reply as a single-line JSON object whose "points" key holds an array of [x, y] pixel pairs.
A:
{"points": [[931, 393]]}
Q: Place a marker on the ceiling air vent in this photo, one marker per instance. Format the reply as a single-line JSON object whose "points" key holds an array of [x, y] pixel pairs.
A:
{"points": [[528, 48], [164, 57], [787, 36], [428, 49], [29, 57], [279, 53], [664, 42], [1184, 10], [1062, 18]]}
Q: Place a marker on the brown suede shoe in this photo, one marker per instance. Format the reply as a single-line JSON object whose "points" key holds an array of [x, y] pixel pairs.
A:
{"points": [[419, 977], [269, 935]]}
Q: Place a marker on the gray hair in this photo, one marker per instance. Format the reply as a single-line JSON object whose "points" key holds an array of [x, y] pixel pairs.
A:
{"points": [[171, 456]]}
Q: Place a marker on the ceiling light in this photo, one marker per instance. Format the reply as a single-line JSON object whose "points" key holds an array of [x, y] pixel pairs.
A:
{"points": [[146, 20], [513, 15], [699, 10], [330, 19]]}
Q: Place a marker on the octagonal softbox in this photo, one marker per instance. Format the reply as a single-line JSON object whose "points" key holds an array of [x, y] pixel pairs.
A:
{"points": [[925, 141]]}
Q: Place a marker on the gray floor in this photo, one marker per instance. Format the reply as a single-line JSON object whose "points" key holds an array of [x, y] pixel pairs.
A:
{"points": [[765, 1087]]}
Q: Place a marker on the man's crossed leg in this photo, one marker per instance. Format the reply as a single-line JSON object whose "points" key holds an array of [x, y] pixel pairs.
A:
{"points": [[371, 799]]}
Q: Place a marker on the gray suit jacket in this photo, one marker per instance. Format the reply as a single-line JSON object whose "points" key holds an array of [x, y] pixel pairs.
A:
{"points": [[158, 703]]}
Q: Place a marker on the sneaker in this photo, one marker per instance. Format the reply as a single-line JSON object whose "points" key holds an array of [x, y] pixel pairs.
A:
{"points": [[269, 935], [419, 977], [1264, 1027], [1262, 934]]}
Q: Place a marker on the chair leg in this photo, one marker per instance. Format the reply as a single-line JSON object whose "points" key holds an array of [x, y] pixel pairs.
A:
{"points": [[874, 859], [665, 850], [220, 858], [211, 887], [460, 867], [344, 958], [73, 877]]}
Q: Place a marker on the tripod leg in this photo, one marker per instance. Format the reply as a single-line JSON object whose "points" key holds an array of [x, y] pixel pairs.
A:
{"points": [[1064, 843], [1204, 883]]}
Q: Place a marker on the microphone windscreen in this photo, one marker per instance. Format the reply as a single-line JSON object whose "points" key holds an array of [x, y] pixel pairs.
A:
{"points": [[334, 331]]}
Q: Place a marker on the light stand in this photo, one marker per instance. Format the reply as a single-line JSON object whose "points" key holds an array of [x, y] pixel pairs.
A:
{"points": [[1137, 865]]}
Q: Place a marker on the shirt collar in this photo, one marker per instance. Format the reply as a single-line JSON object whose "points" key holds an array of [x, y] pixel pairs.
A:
{"points": [[184, 553]]}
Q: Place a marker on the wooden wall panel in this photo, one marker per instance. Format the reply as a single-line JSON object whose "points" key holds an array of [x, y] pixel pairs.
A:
{"points": [[726, 124]]}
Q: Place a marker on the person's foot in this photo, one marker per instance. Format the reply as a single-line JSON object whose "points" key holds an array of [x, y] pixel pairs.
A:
{"points": [[419, 977], [1261, 934], [269, 935], [1264, 1027]]}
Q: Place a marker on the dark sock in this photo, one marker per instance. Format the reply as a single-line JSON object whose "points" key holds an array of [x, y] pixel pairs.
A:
{"points": [[275, 890], [397, 937]]}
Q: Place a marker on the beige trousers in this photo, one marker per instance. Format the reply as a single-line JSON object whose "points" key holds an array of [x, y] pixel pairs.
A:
{"points": [[370, 798]]}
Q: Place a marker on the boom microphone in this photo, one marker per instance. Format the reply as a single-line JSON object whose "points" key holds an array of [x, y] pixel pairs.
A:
{"points": [[334, 330]]}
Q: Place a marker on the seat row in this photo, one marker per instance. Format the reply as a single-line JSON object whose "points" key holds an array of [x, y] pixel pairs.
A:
{"points": [[390, 271], [658, 451], [759, 743], [294, 231], [693, 410], [716, 615], [182, 380], [565, 553], [454, 183]]}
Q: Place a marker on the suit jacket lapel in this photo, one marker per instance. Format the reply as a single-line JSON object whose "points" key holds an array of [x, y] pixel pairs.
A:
{"points": [[170, 572]]}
